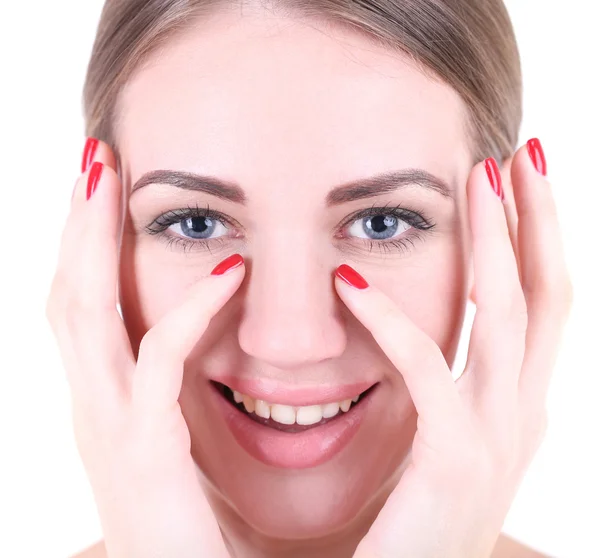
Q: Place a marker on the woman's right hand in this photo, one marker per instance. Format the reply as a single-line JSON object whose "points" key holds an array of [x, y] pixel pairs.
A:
{"points": [[129, 428]]}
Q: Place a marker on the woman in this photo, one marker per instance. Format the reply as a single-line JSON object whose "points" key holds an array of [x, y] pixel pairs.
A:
{"points": [[308, 192]]}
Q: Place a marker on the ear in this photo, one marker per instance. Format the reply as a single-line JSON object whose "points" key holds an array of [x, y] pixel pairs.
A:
{"points": [[508, 192]]}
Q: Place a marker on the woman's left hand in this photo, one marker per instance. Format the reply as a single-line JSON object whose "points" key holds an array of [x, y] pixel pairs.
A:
{"points": [[475, 437]]}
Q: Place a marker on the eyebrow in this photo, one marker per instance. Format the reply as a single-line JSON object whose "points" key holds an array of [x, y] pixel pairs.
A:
{"points": [[344, 193]]}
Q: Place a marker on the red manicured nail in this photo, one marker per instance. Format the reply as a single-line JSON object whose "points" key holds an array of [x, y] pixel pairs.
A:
{"points": [[350, 276], [94, 178], [534, 147], [91, 145], [493, 173], [226, 265]]}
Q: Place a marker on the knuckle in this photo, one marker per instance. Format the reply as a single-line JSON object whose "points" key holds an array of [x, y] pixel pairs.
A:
{"points": [[387, 314], [565, 296], [469, 460], [55, 299], [536, 429], [430, 354], [79, 315], [150, 343], [516, 312], [510, 309], [81, 307], [532, 431], [556, 294], [50, 309], [73, 315], [519, 308]]}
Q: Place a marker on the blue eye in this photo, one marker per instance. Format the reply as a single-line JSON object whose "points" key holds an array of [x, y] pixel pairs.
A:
{"points": [[192, 227], [199, 228], [378, 227], [385, 223]]}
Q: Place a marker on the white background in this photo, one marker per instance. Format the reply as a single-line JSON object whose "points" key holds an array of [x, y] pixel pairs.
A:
{"points": [[46, 506]]}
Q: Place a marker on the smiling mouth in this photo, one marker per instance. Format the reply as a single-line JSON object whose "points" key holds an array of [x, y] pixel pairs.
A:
{"points": [[287, 418]]}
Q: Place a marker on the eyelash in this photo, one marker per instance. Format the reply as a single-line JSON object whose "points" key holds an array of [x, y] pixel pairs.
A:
{"points": [[417, 221]]}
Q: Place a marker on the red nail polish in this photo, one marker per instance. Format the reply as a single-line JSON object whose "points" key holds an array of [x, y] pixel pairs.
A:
{"points": [[89, 151], [493, 173], [534, 148], [94, 178], [226, 265], [350, 276]]}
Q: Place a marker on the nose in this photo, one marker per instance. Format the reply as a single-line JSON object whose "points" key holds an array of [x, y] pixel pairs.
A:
{"points": [[291, 315]]}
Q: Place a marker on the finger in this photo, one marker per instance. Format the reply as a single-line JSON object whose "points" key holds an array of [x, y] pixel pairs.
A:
{"points": [[416, 356], [497, 341], [546, 283], [510, 209], [97, 150], [99, 200], [159, 374], [88, 320]]}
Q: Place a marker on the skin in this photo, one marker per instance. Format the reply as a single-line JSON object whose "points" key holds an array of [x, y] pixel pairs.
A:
{"points": [[216, 109], [269, 135]]}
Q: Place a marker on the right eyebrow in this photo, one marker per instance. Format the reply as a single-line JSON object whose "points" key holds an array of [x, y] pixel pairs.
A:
{"points": [[217, 187]]}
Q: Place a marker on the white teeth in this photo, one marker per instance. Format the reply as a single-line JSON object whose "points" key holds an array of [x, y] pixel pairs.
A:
{"points": [[283, 414], [309, 415], [248, 403], [330, 410], [286, 414], [262, 409]]}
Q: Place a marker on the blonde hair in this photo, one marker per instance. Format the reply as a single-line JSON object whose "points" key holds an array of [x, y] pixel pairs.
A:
{"points": [[468, 44]]}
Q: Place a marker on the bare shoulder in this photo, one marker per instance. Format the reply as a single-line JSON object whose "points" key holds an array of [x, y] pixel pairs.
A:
{"points": [[505, 548], [96, 551], [510, 548]]}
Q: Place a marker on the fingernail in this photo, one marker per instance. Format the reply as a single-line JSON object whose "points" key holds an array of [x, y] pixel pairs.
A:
{"points": [[493, 173], [94, 178], [227, 265], [89, 151], [536, 153], [350, 276]]}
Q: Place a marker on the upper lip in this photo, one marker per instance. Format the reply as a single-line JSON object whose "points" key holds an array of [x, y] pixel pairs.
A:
{"points": [[272, 391]]}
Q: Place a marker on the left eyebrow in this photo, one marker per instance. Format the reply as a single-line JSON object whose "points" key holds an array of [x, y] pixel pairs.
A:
{"points": [[385, 183], [361, 188]]}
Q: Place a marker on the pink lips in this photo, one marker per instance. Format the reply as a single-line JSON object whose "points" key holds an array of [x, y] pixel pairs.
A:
{"points": [[298, 450], [274, 392]]}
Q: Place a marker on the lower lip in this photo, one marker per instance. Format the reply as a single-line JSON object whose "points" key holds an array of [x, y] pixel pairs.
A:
{"points": [[298, 450]]}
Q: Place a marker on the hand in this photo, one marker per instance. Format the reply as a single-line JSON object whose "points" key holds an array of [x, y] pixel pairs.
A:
{"points": [[129, 429], [475, 437]]}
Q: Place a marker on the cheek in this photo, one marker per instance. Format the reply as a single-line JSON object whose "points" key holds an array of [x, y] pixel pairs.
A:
{"points": [[148, 289], [432, 290]]}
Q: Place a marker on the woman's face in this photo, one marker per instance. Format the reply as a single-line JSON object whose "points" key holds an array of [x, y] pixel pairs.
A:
{"points": [[292, 113]]}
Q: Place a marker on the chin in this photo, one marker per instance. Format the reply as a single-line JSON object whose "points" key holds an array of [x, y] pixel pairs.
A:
{"points": [[295, 483]]}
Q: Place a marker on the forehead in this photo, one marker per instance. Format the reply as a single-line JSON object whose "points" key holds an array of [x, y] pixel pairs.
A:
{"points": [[260, 98]]}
